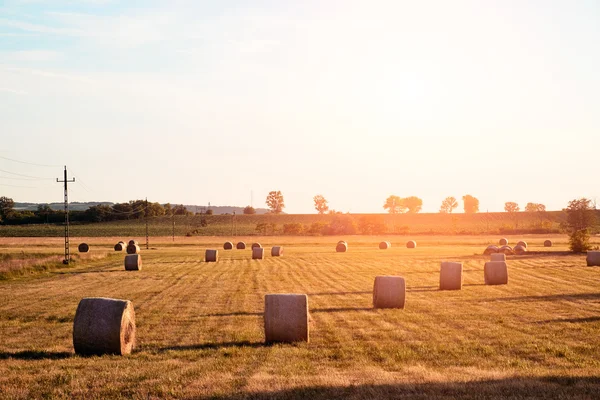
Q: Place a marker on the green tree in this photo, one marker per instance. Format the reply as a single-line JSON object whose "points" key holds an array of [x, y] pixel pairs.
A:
{"points": [[275, 202], [535, 207], [98, 213], [511, 207], [6, 207], [320, 204], [394, 205], [470, 204], [249, 210], [413, 204], [448, 205], [580, 218]]}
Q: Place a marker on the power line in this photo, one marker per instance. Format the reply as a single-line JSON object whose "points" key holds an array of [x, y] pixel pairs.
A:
{"points": [[18, 186], [25, 176], [29, 163]]}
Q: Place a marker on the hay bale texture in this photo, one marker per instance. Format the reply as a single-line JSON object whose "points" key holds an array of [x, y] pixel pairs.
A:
{"points": [[451, 275], [506, 250], [547, 243], [341, 247], [286, 318], [495, 273], [498, 257], [240, 246], [133, 242], [120, 246], [491, 249], [211, 255], [384, 245], [133, 248], [593, 259], [276, 251], [104, 326], [258, 253], [228, 246], [519, 250], [411, 244], [255, 245], [522, 243], [389, 292], [503, 242], [83, 248], [133, 262]]}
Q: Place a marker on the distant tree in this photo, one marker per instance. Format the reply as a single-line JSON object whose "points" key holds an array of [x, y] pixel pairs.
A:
{"points": [[180, 209], [320, 204], [6, 206], [44, 211], [209, 211], [511, 207], [394, 205], [295, 228], [122, 210], [470, 204], [371, 225], [448, 205], [248, 210], [98, 213], [341, 225], [413, 204], [535, 207], [275, 202], [580, 218], [168, 209]]}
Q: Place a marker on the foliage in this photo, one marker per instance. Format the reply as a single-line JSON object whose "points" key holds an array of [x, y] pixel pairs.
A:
{"points": [[209, 212], [321, 204], [341, 225], [275, 202], [580, 218], [249, 210], [371, 225], [317, 228], [413, 204], [394, 205], [293, 229], [579, 241], [6, 206], [535, 207], [448, 205], [511, 207], [266, 228], [470, 204]]}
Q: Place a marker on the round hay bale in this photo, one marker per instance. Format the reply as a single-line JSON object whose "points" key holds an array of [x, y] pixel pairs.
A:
{"points": [[389, 292], [211, 255], [122, 242], [506, 250], [451, 275], [411, 244], [522, 243], [495, 273], [503, 242], [134, 242], [120, 246], [341, 247], [133, 248], [258, 253], [342, 241], [276, 251], [133, 262], [547, 243], [228, 246], [104, 326], [491, 249], [593, 259], [286, 318], [83, 248], [519, 250], [384, 245], [498, 257], [255, 245], [240, 246]]}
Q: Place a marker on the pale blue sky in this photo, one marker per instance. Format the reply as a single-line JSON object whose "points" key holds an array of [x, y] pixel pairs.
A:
{"points": [[195, 102]]}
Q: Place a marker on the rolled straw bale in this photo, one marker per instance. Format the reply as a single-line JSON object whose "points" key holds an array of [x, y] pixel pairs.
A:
{"points": [[211, 255], [593, 258], [240, 246], [451, 276], [228, 246], [255, 245], [506, 250], [503, 242], [133, 248], [83, 248], [522, 243], [498, 257], [411, 244], [519, 250], [122, 242], [133, 242], [342, 241], [491, 249], [276, 251], [120, 246], [389, 292], [258, 253], [133, 262], [495, 273], [341, 247], [104, 326], [547, 243], [286, 318], [384, 245]]}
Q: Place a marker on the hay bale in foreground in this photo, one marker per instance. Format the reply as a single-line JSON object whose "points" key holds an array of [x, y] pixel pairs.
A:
{"points": [[83, 248], [389, 292], [133, 248], [593, 259], [498, 257], [240, 246], [495, 273], [286, 318], [503, 242], [228, 246], [519, 250], [255, 245], [384, 245], [120, 246], [258, 253], [133, 262], [341, 247], [411, 244], [211, 255], [506, 250], [491, 249], [104, 326], [547, 243], [451, 276], [522, 243], [134, 242], [276, 251]]}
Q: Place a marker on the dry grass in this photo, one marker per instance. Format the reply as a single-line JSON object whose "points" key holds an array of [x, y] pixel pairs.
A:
{"points": [[200, 327]]}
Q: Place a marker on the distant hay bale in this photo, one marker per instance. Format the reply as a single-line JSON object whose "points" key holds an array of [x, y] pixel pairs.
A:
{"points": [[133, 248], [211, 255], [491, 249], [384, 245], [134, 242], [451, 275], [120, 246], [240, 246], [593, 258], [83, 248], [255, 245], [411, 244], [133, 262], [498, 257], [258, 253], [276, 251], [495, 273], [522, 243], [519, 250], [342, 241], [389, 292], [286, 318], [503, 242], [341, 247], [120, 241], [104, 326], [548, 243], [506, 250], [228, 246]]}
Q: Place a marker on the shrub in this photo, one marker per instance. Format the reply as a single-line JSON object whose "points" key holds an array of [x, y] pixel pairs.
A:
{"points": [[579, 241], [293, 229]]}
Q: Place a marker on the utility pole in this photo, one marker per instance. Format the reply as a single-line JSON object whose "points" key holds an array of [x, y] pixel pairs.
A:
{"points": [[67, 252], [147, 246]]}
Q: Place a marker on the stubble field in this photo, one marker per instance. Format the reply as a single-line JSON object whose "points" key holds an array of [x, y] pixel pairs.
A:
{"points": [[200, 325]]}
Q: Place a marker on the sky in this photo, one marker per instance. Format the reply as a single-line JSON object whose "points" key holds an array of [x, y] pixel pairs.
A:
{"points": [[223, 101]]}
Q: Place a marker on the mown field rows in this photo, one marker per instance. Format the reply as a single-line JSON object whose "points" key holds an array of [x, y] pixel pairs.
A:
{"points": [[200, 333]]}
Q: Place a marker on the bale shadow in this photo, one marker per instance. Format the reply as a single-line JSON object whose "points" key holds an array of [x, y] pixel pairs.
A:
{"points": [[571, 320], [213, 346], [337, 293], [553, 297], [36, 355], [232, 314], [341, 309]]}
